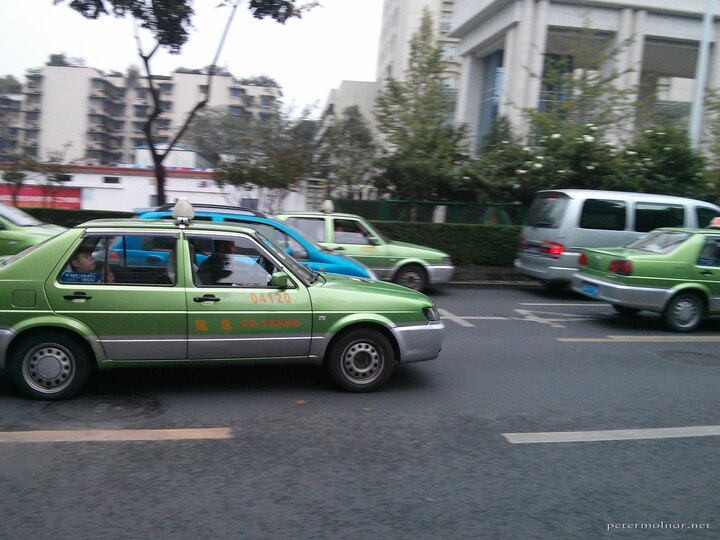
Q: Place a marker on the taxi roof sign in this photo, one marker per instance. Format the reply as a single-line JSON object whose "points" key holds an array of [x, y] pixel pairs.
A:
{"points": [[183, 212]]}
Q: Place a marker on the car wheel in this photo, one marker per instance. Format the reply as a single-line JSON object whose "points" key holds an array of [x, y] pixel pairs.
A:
{"points": [[684, 312], [412, 276], [361, 360], [626, 311], [49, 366]]}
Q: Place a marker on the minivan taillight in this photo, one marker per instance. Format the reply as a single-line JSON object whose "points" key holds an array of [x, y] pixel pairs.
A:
{"points": [[554, 249], [522, 246], [620, 267], [583, 260]]}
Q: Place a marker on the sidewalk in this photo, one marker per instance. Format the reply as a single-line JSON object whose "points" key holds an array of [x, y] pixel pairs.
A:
{"points": [[499, 275]]}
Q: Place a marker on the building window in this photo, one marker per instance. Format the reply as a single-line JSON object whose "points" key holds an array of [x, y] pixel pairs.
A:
{"points": [[141, 93], [445, 23], [63, 178], [165, 88], [236, 110], [237, 92], [141, 111], [203, 88], [111, 179], [166, 105], [266, 101], [492, 89], [450, 54]]}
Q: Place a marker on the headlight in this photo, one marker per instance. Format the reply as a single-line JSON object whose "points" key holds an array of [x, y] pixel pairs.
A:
{"points": [[447, 261], [431, 313]]}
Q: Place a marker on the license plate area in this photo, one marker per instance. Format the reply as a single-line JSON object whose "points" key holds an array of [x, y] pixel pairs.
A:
{"points": [[590, 289]]}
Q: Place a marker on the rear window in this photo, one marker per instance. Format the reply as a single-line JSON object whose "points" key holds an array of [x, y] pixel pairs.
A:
{"points": [[649, 216], [547, 212], [659, 241], [603, 214]]}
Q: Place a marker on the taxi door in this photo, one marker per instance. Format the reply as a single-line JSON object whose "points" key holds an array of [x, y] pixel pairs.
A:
{"points": [[233, 313], [355, 239], [137, 311], [707, 270]]}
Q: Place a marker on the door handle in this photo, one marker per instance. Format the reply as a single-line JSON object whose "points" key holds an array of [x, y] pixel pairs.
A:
{"points": [[707, 273], [206, 298], [77, 296]]}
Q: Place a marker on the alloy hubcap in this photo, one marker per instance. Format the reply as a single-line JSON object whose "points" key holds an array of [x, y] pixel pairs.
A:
{"points": [[685, 312]]}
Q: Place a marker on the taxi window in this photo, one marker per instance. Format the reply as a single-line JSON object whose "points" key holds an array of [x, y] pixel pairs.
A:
{"points": [[280, 239], [349, 231], [234, 261], [710, 254], [123, 260], [312, 228]]}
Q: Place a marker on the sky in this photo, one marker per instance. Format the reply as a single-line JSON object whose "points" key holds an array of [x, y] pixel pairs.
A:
{"points": [[308, 57]]}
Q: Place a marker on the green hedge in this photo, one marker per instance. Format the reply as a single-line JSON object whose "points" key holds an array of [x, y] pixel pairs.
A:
{"points": [[483, 245]]}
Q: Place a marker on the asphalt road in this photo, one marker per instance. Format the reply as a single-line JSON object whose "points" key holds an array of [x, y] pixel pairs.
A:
{"points": [[447, 450]]}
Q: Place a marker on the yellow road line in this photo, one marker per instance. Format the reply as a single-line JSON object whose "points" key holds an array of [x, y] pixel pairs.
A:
{"points": [[114, 435]]}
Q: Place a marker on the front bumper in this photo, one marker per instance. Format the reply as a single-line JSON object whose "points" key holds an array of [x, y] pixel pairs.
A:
{"points": [[419, 342], [648, 298], [440, 273]]}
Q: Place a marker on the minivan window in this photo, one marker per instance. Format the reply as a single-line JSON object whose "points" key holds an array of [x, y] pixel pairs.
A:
{"points": [[546, 212], [603, 214], [705, 215], [649, 216]]}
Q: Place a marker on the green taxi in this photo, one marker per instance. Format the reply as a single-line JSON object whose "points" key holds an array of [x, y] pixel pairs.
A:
{"points": [[407, 264], [671, 271], [19, 230], [226, 294]]}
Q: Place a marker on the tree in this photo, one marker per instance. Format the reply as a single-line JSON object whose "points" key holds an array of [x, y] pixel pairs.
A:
{"points": [[10, 85], [16, 174], [425, 156], [169, 21], [281, 154], [347, 153]]}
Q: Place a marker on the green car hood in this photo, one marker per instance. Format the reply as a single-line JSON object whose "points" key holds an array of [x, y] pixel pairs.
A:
{"points": [[413, 250], [333, 291]]}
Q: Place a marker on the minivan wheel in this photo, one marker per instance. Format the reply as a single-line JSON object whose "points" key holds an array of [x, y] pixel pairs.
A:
{"points": [[49, 366], [684, 312]]}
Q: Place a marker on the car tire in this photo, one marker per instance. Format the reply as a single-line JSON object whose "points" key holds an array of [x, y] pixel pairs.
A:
{"points": [[684, 312], [49, 366], [625, 311], [412, 276], [361, 360]]}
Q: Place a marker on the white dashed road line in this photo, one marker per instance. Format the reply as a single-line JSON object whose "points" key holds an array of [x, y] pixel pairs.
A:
{"points": [[114, 435], [644, 339], [611, 435]]}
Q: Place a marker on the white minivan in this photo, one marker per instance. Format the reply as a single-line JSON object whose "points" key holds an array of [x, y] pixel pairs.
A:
{"points": [[561, 222]]}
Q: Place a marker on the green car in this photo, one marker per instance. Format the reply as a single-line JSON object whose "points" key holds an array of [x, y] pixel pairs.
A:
{"points": [[410, 265], [672, 271], [225, 294], [19, 230]]}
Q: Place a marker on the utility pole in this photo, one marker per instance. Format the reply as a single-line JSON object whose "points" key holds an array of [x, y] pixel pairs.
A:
{"points": [[701, 72]]}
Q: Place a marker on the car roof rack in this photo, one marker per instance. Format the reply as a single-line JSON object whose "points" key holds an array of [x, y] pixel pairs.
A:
{"points": [[240, 210]]}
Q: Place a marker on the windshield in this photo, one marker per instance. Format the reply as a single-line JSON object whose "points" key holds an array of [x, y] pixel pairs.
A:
{"points": [[18, 217], [546, 211], [303, 271], [659, 241]]}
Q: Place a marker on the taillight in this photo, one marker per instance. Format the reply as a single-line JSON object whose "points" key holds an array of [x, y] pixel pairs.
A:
{"points": [[620, 267], [522, 246], [554, 249], [583, 260], [114, 255]]}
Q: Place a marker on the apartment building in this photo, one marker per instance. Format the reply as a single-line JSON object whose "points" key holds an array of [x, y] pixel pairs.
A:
{"points": [[503, 45], [84, 116]]}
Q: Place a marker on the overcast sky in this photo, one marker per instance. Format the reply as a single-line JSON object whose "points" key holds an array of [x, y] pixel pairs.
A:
{"points": [[308, 57]]}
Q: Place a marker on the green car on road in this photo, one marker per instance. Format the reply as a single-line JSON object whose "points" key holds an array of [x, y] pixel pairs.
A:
{"points": [[671, 271], [225, 294], [407, 264], [19, 230]]}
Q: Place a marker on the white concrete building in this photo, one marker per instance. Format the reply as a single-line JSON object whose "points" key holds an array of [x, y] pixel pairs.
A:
{"points": [[92, 118], [503, 45]]}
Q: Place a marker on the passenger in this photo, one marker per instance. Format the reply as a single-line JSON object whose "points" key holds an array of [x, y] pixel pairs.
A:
{"points": [[83, 262], [213, 269]]}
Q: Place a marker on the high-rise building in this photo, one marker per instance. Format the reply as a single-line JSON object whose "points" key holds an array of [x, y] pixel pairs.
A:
{"points": [[81, 115], [504, 45]]}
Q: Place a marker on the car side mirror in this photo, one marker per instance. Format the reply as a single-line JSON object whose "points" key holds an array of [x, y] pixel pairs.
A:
{"points": [[374, 241], [279, 280]]}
